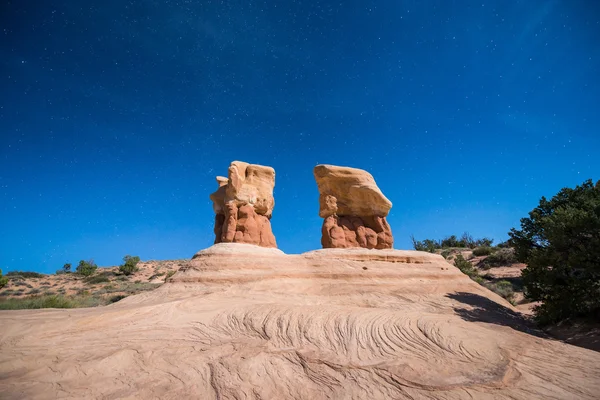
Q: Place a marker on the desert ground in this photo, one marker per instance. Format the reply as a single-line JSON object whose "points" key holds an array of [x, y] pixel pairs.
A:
{"points": [[244, 322]]}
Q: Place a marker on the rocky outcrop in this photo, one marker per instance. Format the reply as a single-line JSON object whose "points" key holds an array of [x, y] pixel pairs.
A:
{"points": [[354, 209], [243, 205]]}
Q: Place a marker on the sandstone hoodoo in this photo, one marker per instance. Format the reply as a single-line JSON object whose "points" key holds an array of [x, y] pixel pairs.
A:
{"points": [[354, 209], [243, 204]]}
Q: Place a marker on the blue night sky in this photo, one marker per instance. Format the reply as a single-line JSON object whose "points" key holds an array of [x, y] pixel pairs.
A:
{"points": [[116, 116]]}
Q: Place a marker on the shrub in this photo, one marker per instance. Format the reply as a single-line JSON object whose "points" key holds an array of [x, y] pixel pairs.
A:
{"points": [[24, 274], [500, 258], [116, 298], [504, 289], [482, 251], [465, 241], [169, 275], [86, 268], [3, 280], [428, 245], [485, 242], [465, 266], [445, 253], [129, 265], [451, 241], [93, 280], [156, 275], [53, 301], [560, 243]]}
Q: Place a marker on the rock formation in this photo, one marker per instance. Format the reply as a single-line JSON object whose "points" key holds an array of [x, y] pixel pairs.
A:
{"points": [[354, 209], [245, 322], [243, 204]]}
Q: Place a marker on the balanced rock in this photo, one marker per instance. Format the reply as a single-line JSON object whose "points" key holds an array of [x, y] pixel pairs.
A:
{"points": [[243, 205], [354, 209]]}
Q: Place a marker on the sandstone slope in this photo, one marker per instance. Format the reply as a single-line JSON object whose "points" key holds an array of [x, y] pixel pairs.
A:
{"points": [[245, 322]]}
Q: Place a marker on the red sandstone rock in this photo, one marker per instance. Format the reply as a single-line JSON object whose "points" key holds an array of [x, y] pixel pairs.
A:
{"points": [[354, 209], [243, 205], [353, 231]]}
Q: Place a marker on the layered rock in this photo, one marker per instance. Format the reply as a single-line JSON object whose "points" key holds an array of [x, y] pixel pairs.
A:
{"points": [[243, 205], [354, 209]]}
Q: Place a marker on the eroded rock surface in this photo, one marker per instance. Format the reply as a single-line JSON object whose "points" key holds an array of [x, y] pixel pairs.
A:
{"points": [[243, 204], [247, 322], [354, 209]]}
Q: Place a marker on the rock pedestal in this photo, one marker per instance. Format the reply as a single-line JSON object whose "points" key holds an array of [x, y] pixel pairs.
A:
{"points": [[354, 209], [243, 204]]}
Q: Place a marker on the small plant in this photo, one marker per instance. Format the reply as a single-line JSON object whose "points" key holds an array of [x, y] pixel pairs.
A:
{"points": [[504, 289], [156, 275], [129, 265], [446, 253], [94, 280], [86, 268], [66, 269], [465, 266], [452, 241], [116, 298], [425, 245], [482, 251], [24, 274], [500, 258], [169, 275]]}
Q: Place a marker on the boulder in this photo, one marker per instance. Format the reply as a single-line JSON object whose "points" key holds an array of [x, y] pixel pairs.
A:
{"points": [[243, 204], [353, 208]]}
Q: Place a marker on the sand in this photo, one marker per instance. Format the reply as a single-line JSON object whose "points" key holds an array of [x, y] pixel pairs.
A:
{"points": [[243, 322]]}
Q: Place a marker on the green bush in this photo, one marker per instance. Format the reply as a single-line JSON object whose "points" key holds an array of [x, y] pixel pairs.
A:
{"points": [[502, 257], [560, 243], [86, 268], [445, 253], [129, 265], [428, 245], [504, 289], [465, 266], [3, 280], [93, 280], [453, 241], [482, 251], [66, 269], [24, 274], [54, 301]]}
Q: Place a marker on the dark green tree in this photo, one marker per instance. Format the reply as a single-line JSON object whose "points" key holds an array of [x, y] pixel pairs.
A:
{"points": [[3, 280], [86, 268], [560, 243], [129, 265]]}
